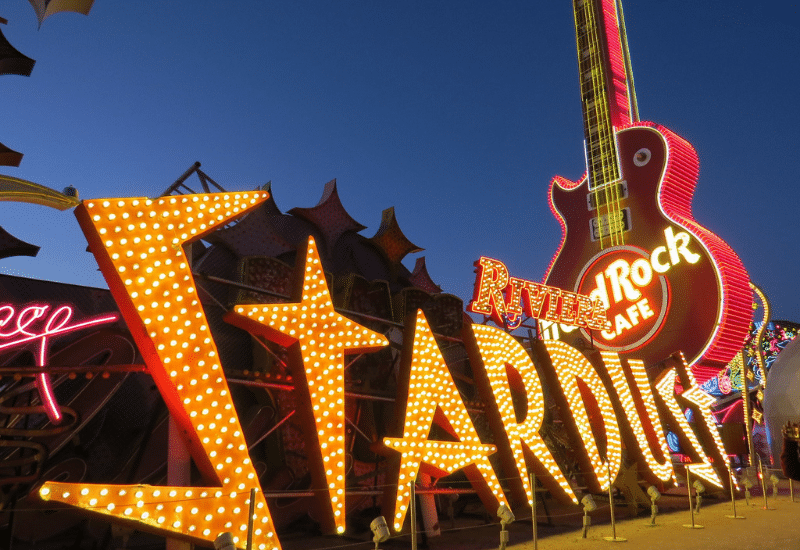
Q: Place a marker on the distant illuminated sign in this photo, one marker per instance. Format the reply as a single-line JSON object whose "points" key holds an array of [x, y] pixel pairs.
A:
{"points": [[38, 325], [139, 246]]}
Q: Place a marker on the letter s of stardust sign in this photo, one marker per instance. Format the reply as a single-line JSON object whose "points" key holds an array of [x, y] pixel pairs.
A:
{"points": [[139, 246]]}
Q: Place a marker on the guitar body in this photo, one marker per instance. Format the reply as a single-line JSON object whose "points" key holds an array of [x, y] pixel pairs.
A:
{"points": [[669, 284]]}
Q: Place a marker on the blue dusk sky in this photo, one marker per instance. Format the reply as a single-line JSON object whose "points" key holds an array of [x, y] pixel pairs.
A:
{"points": [[458, 114]]}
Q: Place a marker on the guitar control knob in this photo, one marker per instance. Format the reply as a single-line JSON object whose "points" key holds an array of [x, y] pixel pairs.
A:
{"points": [[642, 157]]}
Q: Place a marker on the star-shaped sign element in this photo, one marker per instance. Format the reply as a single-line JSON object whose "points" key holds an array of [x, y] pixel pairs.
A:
{"points": [[320, 337]]}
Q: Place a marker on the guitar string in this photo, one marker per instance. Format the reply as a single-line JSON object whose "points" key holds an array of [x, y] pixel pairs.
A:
{"points": [[609, 160], [582, 17], [619, 224], [599, 162], [604, 144], [615, 212]]}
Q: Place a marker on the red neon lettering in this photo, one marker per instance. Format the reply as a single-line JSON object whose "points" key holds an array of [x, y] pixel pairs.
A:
{"points": [[56, 325]]}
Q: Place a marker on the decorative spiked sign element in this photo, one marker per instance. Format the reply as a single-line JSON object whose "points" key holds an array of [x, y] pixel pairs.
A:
{"points": [[12, 61], [329, 216], [46, 8], [391, 240], [9, 157]]}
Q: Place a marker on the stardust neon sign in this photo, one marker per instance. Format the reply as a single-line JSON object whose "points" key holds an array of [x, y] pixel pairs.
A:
{"points": [[39, 325], [139, 246]]}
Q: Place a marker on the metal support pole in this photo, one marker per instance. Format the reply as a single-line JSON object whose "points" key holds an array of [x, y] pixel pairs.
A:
{"points": [[746, 406], [763, 483], [693, 525], [733, 496], [791, 489], [611, 505], [533, 511], [613, 537], [413, 515], [503, 537], [250, 519]]}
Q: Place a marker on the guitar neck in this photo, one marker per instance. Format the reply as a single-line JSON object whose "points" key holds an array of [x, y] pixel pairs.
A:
{"points": [[606, 84]]}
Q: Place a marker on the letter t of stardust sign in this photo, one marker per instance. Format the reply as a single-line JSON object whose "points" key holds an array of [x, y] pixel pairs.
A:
{"points": [[139, 246]]}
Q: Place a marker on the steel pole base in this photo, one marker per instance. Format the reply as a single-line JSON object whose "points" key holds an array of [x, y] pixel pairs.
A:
{"points": [[693, 526], [734, 517], [615, 539]]}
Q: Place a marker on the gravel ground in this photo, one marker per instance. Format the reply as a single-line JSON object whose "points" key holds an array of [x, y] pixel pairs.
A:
{"points": [[776, 528]]}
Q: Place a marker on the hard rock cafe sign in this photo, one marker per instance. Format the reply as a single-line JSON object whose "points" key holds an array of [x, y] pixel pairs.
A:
{"points": [[632, 285], [622, 299]]}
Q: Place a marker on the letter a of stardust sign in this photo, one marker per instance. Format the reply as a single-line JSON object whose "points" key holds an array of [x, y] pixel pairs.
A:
{"points": [[139, 246]]}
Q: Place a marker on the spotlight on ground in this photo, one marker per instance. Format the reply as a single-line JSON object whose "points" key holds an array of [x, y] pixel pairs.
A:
{"points": [[699, 489], [506, 517], [654, 495], [380, 530], [588, 506], [774, 480], [748, 484], [224, 542]]}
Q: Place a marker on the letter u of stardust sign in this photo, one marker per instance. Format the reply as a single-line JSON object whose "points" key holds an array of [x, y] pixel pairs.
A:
{"points": [[605, 403]]}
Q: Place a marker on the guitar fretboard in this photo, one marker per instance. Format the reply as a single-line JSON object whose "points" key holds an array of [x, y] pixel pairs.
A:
{"points": [[606, 96]]}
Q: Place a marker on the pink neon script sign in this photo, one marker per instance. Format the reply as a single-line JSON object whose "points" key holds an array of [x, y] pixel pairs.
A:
{"points": [[33, 324]]}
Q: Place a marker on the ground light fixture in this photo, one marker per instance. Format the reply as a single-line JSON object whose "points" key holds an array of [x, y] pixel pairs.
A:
{"points": [[654, 495], [224, 542], [588, 506], [748, 484], [699, 489], [774, 480], [380, 530], [506, 517]]}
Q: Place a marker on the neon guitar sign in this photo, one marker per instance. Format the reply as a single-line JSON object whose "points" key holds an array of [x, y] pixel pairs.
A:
{"points": [[39, 325], [628, 235]]}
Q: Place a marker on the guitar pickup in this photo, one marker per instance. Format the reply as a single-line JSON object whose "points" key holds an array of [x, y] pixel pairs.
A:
{"points": [[614, 222], [603, 195]]}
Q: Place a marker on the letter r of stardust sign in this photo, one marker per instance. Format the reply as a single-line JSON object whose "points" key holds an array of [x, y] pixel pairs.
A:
{"points": [[606, 403]]}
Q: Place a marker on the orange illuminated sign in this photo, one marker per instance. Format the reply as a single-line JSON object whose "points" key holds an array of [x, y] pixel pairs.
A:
{"points": [[433, 397], [606, 403], [319, 337]]}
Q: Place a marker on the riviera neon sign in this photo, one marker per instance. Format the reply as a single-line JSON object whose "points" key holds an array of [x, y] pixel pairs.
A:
{"points": [[33, 324], [506, 298], [139, 246]]}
